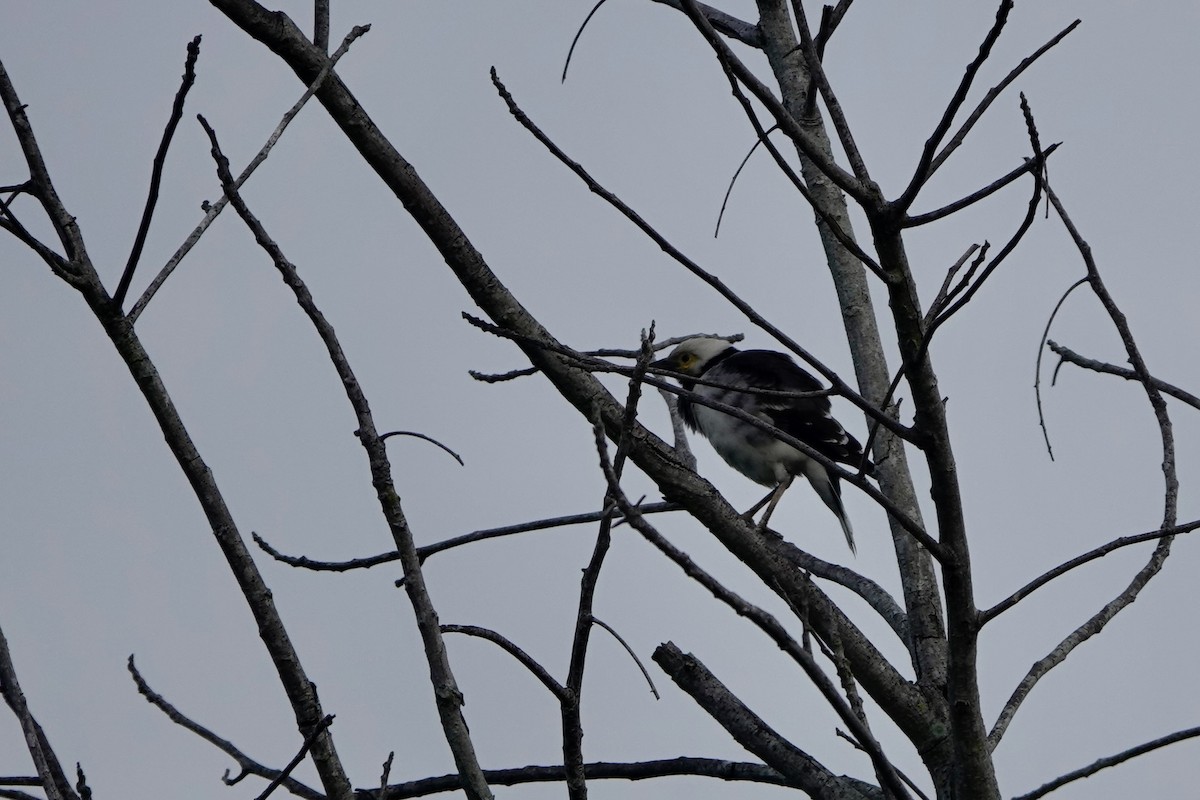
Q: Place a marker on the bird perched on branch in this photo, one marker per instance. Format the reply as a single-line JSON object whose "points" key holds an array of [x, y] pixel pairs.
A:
{"points": [[752, 451]]}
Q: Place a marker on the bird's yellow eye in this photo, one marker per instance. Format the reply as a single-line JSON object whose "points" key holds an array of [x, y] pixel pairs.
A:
{"points": [[686, 360]]}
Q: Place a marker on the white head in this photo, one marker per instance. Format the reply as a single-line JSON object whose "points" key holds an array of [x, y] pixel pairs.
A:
{"points": [[692, 356]]}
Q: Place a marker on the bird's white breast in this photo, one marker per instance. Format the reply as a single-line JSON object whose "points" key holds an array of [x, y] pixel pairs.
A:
{"points": [[750, 450]]}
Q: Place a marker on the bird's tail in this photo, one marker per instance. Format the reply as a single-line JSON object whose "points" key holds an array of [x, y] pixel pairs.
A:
{"points": [[829, 489]]}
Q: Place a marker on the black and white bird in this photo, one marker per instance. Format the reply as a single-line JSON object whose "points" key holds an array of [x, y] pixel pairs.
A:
{"points": [[750, 450]]}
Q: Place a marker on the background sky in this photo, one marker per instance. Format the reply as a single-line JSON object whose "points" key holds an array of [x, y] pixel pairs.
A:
{"points": [[106, 553]]}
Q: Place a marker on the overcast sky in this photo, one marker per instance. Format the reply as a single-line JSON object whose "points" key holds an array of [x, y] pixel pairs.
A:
{"points": [[106, 552]]}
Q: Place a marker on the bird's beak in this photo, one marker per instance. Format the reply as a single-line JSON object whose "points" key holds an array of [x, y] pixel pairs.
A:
{"points": [[663, 363]]}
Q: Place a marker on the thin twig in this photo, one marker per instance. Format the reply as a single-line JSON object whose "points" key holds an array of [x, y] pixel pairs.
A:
{"points": [[74, 264], [831, 17], [633, 655], [156, 171], [944, 292], [58, 265], [1110, 761], [787, 123], [958, 138], [425, 551], [507, 645], [1018, 235], [832, 225], [572, 722], [1069, 356], [304, 562], [907, 780], [295, 762], [978, 194], [384, 792], [604, 352], [213, 209], [247, 765], [736, 173], [679, 437], [578, 33], [383, 437], [1080, 560], [1037, 367], [875, 595], [816, 71], [923, 171], [1162, 416]]}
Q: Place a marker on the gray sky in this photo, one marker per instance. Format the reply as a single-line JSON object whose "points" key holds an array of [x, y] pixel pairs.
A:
{"points": [[106, 552]]}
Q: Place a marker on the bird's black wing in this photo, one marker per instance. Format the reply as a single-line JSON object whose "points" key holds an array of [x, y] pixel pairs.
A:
{"points": [[808, 419]]}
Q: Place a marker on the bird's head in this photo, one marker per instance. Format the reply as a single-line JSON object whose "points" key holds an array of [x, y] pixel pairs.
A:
{"points": [[692, 356]]}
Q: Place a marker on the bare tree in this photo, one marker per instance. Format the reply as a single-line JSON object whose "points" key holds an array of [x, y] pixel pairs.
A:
{"points": [[933, 700]]}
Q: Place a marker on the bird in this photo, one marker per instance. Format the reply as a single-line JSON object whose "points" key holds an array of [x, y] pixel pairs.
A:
{"points": [[753, 451]]}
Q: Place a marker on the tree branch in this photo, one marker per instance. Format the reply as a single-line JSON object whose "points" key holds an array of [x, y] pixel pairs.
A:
{"points": [[1101, 618], [979, 194], [51, 777], [1037, 367], [213, 209], [1080, 560], [787, 123], [752, 731], [321, 24], [445, 689], [728, 25], [425, 551], [156, 170], [723, 769], [992, 94], [741, 305], [1071, 357], [816, 71], [296, 759], [924, 170], [915, 712], [509, 647], [246, 765], [804, 770], [629, 650], [1110, 761], [40, 186]]}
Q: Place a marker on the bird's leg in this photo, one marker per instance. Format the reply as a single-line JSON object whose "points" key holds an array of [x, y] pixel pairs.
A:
{"points": [[754, 509], [775, 496]]}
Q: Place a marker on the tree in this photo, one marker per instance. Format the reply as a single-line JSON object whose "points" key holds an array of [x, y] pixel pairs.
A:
{"points": [[918, 681]]}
